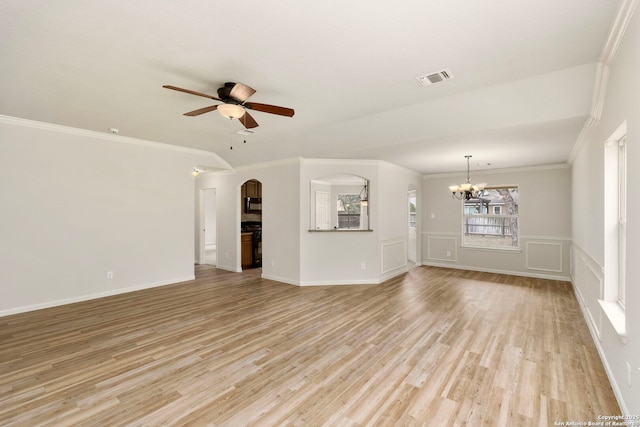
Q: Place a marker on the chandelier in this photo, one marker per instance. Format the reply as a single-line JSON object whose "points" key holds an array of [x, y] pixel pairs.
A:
{"points": [[467, 191]]}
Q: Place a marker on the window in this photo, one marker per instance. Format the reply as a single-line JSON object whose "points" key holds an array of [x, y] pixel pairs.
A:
{"points": [[491, 219], [349, 211], [339, 202], [412, 209], [615, 217], [622, 221], [613, 300]]}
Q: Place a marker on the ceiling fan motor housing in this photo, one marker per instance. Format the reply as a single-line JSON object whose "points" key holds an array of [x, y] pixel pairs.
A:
{"points": [[225, 93]]}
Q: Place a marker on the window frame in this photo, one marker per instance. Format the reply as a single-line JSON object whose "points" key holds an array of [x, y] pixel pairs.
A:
{"points": [[622, 222], [348, 216], [613, 294], [467, 245]]}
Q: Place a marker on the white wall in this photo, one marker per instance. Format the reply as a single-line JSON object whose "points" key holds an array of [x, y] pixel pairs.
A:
{"points": [[77, 204], [280, 217], [337, 257], [395, 183], [622, 102], [345, 257], [544, 223], [291, 253]]}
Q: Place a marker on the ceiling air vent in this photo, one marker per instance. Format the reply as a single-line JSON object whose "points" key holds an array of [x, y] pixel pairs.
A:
{"points": [[439, 76]]}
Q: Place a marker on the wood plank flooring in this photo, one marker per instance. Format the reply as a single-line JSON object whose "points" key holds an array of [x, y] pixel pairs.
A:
{"points": [[432, 347]]}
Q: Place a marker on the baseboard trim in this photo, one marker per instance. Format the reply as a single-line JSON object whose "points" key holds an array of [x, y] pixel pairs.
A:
{"points": [[497, 271], [281, 280], [97, 295], [596, 340]]}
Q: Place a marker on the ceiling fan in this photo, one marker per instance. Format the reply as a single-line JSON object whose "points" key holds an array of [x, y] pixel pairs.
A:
{"points": [[234, 97]]}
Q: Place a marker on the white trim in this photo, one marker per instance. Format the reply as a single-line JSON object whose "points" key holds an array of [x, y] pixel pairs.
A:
{"points": [[281, 279], [362, 162], [482, 172], [616, 316], [603, 358], [227, 268], [271, 164], [529, 237], [455, 249], [597, 103], [440, 233], [382, 240], [620, 23], [542, 244], [390, 242], [97, 295], [522, 237], [497, 271], [492, 249], [596, 323], [394, 272], [589, 258], [340, 282], [111, 137]]}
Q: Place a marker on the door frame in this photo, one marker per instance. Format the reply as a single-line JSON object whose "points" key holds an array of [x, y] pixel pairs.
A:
{"points": [[202, 216]]}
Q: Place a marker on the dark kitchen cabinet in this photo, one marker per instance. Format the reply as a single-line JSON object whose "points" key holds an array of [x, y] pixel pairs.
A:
{"points": [[246, 249], [252, 188]]}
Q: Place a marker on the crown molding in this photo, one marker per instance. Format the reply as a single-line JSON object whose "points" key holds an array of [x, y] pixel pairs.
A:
{"points": [[498, 171], [616, 34], [270, 164], [16, 121], [621, 22], [360, 162]]}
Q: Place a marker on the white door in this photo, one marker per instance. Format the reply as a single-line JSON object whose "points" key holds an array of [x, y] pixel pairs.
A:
{"points": [[322, 210]]}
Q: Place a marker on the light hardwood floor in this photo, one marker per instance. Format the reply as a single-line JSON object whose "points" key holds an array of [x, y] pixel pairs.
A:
{"points": [[431, 347]]}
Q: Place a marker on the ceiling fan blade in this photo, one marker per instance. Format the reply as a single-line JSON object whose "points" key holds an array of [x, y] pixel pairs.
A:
{"points": [[201, 111], [192, 92], [273, 109], [248, 121], [241, 92]]}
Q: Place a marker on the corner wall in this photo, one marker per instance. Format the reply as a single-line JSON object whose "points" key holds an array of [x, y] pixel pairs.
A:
{"points": [[621, 356], [78, 204]]}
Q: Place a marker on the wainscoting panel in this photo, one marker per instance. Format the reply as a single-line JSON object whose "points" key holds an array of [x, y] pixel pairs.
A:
{"points": [[544, 256], [394, 255], [588, 282], [442, 248]]}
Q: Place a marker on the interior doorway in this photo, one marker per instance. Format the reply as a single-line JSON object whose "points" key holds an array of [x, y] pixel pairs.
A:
{"points": [[251, 225], [412, 239], [208, 221]]}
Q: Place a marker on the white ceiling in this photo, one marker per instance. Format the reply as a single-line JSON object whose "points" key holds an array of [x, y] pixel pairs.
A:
{"points": [[524, 74]]}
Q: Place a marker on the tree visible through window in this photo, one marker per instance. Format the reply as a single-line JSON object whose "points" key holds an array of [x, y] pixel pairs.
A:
{"points": [[491, 219], [349, 211]]}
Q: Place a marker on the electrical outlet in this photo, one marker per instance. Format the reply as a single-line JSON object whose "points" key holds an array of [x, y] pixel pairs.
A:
{"points": [[449, 254], [629, 374], [109, 275], [363, 265], [433, 215]]}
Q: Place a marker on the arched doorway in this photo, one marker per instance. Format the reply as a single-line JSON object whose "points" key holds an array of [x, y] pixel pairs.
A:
{"points": [[251, 224]]}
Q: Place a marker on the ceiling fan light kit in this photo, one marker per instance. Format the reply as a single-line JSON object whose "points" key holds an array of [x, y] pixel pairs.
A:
{"points": [[231, 111], [234, 106]]}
